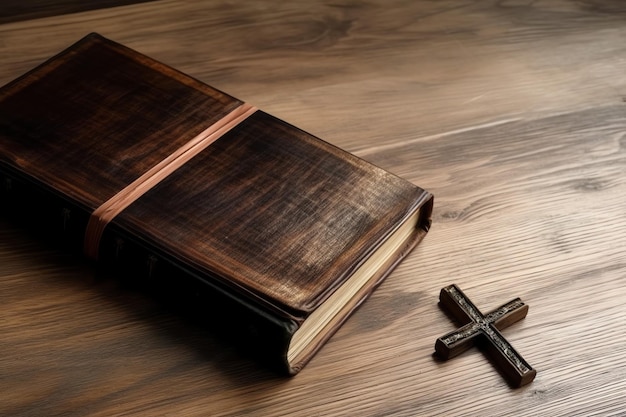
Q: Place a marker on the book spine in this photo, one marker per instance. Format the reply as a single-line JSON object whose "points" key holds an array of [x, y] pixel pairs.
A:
{"points": [[48, 214]]}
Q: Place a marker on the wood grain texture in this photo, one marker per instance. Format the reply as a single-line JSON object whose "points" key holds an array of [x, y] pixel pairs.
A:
{"points": [[511, 112]]}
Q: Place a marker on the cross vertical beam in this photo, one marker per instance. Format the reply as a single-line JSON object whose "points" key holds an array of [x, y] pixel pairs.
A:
{"points": [[485, 330]]}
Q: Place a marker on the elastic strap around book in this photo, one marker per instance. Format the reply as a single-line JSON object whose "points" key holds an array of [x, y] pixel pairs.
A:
{"points": [[116, 204]]}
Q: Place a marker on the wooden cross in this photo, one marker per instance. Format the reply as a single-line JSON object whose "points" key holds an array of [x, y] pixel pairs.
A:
{"points": [[484, 329]]}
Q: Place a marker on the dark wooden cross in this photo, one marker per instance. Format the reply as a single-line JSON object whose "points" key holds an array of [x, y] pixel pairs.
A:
{"points": [[484, 330]]}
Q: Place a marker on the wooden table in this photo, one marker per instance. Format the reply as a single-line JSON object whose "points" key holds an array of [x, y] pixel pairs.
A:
{"points": [[513, 113]]}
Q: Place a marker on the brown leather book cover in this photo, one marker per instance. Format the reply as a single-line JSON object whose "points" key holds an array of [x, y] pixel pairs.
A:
{"points": [[150, 170]]}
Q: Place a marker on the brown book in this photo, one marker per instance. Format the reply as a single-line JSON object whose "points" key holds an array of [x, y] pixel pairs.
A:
{"points": [[152, 172]]}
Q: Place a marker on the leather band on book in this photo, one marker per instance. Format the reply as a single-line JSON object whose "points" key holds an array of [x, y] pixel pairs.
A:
{"points": [[116, 204]]}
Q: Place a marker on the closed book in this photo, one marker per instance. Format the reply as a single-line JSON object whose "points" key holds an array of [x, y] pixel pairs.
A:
{"points": [[154, 173]]}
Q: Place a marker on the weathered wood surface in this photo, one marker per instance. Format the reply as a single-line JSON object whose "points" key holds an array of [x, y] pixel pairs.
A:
{"points": [[512, 113]]}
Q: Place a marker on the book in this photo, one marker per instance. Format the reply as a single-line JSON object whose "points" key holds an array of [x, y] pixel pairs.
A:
{"points": [[154, 173]]}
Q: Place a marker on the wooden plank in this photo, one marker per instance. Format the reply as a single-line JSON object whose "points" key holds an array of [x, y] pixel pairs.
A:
{"points": [[511, 113]]}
